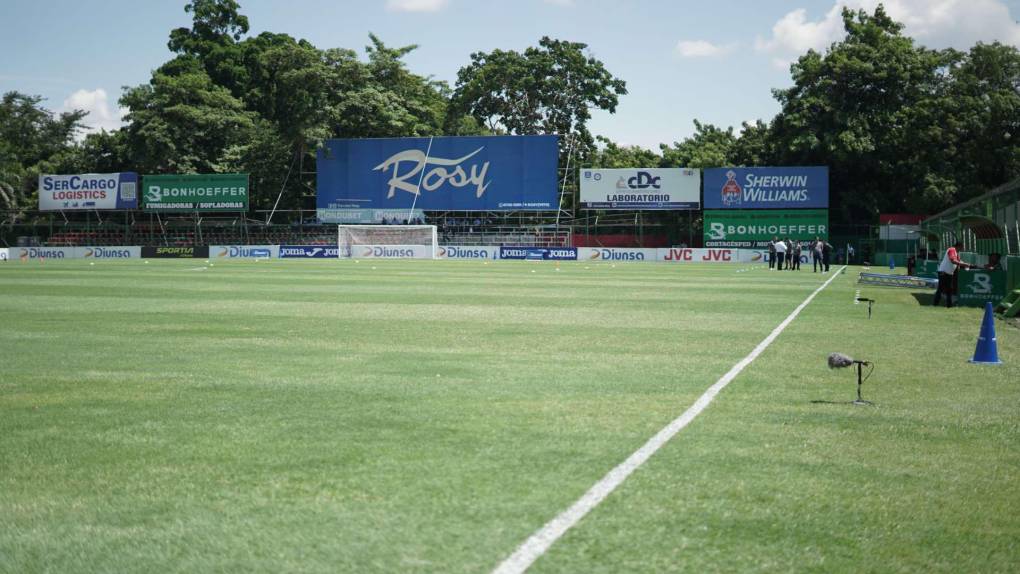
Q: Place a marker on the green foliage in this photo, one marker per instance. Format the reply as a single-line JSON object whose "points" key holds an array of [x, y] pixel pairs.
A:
{"points": [[708, 147], [32, 141], [549, 89]]}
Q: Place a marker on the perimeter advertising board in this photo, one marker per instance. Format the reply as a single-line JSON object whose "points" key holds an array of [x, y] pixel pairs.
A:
{"points": [[546, 253], [3, 254], [766, 187], [497, 173], [202, 192], [197, 251], [642, 188], [244, 251], [616, 254], [368, 216], [308, 251], [755, 228], [88, 191], [467, 252]]}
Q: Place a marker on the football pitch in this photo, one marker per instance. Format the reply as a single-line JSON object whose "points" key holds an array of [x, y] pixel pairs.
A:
{"points": [[430, 416]]}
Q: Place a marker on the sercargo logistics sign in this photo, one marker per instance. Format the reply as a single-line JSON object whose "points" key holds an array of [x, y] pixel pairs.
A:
{"points": [[88, 191], [642, 188], [204, 192], [754, 228], [766, 187], [498, 173]]}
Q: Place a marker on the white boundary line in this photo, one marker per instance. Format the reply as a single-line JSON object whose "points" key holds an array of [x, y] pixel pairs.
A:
{"points": [[537, 544]]}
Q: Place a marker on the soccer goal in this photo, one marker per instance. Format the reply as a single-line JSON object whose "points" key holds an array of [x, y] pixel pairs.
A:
{"points": [[391, 241]]}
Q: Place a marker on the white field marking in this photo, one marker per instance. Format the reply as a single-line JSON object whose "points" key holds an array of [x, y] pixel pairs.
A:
{"points": [[537, 544]]}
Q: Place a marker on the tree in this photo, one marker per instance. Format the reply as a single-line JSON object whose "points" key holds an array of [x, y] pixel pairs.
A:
{"points": [[549, 89], [184, 123], [613, 156], [856, 109], [708, 147], [32, 140]]}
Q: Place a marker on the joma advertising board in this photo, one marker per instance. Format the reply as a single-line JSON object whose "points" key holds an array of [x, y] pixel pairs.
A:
{"points": [[88, 191], [497, 173], [766, 187], [203, 192], [755, 228], [643, 188]]}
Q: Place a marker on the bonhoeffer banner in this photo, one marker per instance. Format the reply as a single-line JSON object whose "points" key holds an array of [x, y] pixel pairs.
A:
{"points": [[88, 191], [202, 192], [766, 187], [755, 228], [495, 173]]}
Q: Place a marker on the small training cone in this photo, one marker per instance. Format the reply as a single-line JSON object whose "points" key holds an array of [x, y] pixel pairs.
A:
{"points": [[892, 262], [987, 352]]}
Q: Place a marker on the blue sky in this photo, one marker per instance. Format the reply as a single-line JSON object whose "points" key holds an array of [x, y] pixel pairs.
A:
{"points": [[716, 61]]}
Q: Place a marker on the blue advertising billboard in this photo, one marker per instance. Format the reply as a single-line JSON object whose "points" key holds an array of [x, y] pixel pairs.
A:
{"points": [[766, 187], [496, 173]]}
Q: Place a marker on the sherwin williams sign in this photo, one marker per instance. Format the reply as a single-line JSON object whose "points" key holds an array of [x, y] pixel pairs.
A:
{"points": [[205, 192], [766, 187], [645, 188], [88, 191], [755, 228], [497, 173]]}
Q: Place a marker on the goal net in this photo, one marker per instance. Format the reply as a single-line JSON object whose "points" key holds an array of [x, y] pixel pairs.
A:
{"points": [[391, 241]]}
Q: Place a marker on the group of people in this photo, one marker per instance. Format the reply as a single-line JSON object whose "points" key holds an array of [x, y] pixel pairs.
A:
{"points": [[786, 253]]}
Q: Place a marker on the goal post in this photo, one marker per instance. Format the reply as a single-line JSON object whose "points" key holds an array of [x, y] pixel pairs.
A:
{"points": [[387, 241]]}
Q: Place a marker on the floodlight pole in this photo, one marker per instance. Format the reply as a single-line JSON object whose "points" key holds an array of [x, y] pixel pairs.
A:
{"points": [[421, 176]]}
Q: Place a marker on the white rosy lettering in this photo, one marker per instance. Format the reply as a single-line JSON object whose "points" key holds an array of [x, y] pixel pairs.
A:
{"points": [[436, 177]]}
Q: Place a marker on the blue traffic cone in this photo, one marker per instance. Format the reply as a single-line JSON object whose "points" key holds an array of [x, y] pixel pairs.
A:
{"points": [[892, 262], [987, 352]]}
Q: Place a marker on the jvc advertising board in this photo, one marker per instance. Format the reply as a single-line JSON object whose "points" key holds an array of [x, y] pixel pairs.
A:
{"points": [[497, 173], [755, 228], [766, 187], [643, 188], [88, 191], [203, 192]]}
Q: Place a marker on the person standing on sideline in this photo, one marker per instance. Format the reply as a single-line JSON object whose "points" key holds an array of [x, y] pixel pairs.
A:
{"points": [[772, 254], [816, 254], [826, 254], [780, 254], [795, 255], [948, 267]]}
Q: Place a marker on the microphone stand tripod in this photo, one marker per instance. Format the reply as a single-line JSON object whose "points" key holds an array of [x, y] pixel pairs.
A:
{"points": [[860, 367]]}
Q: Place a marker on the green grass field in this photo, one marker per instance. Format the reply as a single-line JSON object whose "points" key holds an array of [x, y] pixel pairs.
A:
{"points": [[398, 416]]}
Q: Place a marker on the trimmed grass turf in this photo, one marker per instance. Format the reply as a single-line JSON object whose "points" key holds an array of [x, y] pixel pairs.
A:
{"points": [[429, 416]]}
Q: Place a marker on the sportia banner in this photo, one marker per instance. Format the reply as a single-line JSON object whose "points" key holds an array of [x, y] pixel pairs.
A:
{"points": [[643, 188], [497, 173], [766, 187], [88, 191], [203, 192]]}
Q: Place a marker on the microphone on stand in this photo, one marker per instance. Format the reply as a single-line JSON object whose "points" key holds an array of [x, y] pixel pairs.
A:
{"points": [[868, 301], [840, 361]]}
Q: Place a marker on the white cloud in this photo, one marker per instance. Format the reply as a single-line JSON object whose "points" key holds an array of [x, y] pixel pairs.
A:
{"points": [[96, 103], [415, 5], [933, 23], [701, 49]]}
